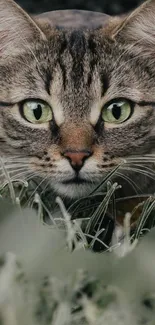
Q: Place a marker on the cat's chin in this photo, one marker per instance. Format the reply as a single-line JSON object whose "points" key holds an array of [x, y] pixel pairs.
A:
{"points": [[73, 191]]}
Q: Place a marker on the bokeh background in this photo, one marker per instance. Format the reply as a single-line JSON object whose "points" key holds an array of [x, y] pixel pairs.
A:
{"points": [[112, 7]]}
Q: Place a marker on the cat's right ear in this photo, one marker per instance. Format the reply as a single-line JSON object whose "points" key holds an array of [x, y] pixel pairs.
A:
{"points": [[139, 26], [17, 29]]}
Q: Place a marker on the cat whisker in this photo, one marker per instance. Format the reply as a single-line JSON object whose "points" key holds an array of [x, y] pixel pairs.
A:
{"points": [[129, 181], [13, 166], [46, 186], [15, 161], [37, 187], [143, 159], [140, 162], [138, 170], [99, 214], [13, 158], [32, 175], [13, 174], [141, 168], [150, 170], [22, 174]]}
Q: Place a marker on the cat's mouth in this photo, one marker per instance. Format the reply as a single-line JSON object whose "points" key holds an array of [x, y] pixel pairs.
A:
{"points": [[76, 180], [74, 187]]}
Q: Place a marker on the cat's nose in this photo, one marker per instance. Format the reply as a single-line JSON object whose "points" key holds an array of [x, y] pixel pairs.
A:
{"points": [[77, 158]]}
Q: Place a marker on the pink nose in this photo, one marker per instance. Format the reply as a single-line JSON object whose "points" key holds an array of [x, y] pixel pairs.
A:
{"points": [[77, 158]]}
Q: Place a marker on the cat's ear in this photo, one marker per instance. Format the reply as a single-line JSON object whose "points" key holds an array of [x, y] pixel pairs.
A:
{"points": [[139, 26], [17, 29]]}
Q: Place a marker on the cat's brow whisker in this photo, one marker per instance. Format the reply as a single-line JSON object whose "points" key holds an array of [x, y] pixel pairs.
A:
{"points": [[138, 56], [37, 61], [27, 46], [24, 64], [127, 50]]}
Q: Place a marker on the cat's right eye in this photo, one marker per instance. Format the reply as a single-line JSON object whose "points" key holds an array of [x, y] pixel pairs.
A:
{"points": [[36, 112]]}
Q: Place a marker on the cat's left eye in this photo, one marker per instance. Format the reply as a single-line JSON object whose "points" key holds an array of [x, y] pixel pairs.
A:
{"points": [[36, 112], [117, 112]]}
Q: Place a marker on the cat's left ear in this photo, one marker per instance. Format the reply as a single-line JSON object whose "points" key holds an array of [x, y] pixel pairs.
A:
{"points": [[139, 26], [17, 29]]}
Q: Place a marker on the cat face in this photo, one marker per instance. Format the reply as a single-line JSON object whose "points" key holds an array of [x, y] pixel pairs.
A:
{"points": [[74, 103]]}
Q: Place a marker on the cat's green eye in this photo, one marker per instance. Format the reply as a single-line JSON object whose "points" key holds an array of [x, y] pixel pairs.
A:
{"points": [[36, 112], [117, 112]]}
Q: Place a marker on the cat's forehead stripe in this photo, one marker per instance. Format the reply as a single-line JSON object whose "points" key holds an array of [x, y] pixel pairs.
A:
{"points": [[77, 49], [48, 80]]}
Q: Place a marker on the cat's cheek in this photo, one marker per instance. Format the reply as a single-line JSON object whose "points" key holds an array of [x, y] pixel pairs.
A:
{"points": [[98, 151]]}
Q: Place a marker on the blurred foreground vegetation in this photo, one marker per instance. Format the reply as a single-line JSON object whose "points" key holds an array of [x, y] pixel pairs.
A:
{"points": [[49, 274]]}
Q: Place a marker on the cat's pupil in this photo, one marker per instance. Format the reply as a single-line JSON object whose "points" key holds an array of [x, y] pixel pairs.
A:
{"points": [[38, 112], [116, 111]]}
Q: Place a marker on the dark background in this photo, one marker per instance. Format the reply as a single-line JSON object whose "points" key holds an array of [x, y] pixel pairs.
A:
{"points": [[111, 7]]}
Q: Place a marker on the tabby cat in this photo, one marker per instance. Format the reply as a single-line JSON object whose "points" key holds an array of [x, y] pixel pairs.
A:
{"points": [[77, 97]]}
